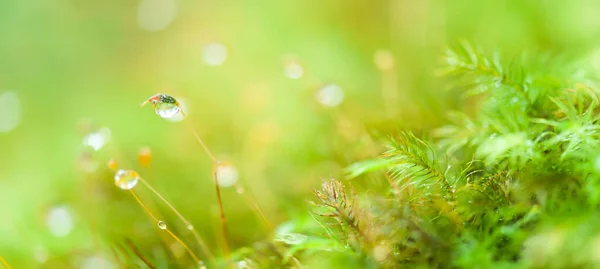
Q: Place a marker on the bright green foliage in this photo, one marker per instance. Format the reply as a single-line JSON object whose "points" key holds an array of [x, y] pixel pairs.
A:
{"points": [[510, 182]]}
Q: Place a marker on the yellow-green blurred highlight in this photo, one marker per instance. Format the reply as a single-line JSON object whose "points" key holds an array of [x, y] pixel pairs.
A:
{"points": [[288, 92]]}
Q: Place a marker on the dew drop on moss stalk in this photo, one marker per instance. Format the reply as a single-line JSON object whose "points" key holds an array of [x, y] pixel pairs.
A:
{"points": [[162, 225], [166, 110], [126, 179]]}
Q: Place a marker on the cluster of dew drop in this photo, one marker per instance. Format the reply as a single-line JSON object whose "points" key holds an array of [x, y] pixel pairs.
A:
{"points": [[166, 107]]}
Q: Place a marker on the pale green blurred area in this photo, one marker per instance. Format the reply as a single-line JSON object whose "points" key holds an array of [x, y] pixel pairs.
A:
{"points": [[75, 61]]}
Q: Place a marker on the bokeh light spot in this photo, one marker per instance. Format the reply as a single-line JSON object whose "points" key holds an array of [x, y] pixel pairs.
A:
{"points": [[10, 111], [155, 15], [214, 54], [60, 221], [330, 95]]}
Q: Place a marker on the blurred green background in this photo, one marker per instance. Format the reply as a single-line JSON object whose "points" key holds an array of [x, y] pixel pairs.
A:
{"points": [[68, 68]]}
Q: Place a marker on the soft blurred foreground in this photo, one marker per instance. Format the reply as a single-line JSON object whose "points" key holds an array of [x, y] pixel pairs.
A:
{"points": [[285, 94]]}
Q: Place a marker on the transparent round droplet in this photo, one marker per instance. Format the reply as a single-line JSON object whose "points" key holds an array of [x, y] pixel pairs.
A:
{"points": [[166, 110], [184, 109], [162, 225], [227, 175], [60, 221], [190, 227], [330, 95], [10, 111], [214, 54], [126, 179], [96, 140]]}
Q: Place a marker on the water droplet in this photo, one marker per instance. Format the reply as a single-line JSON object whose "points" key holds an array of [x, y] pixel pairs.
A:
{"points": [[164, 105], [183, 108], [384, 60], [59, 221], [201, 265], [145, 156], [98, 139], [126, 179], [166, 110], [292, 69], [10, 111], [214, 54], [190, 227], [227, 175], [162, 225], [330, 95], [155, 15]]}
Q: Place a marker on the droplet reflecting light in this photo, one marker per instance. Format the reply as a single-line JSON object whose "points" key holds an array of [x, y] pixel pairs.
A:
{"points": [[59, 221], [10, 111], [126, 179], [162, 225], [214, 54], [164, 105], [182, 108], [330, 95], [166, 110]]}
